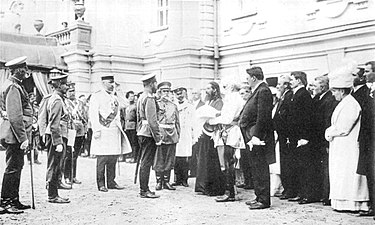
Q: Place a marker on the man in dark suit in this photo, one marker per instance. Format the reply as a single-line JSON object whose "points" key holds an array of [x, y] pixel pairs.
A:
{"points": [[15, 134], [366, 154], [324, 104], [256, 127], [307, 185], [281, 125]]}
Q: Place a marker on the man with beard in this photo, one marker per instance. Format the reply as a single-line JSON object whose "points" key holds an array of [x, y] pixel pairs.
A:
{"points": [[210, 179], [130, 125], [169, 126], [281, 124], [56, 134], [256, 127], [15, 134], [184, 145], [324, 104], [361, 93], [148, 131], [109, 140], [227, 137]]}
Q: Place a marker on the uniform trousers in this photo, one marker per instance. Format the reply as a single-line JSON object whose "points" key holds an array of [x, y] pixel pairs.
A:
{"points": [[147, 146], [164, 158], [133, 139], [14, 157], [53, 166], [106, 167], [68, 158]]}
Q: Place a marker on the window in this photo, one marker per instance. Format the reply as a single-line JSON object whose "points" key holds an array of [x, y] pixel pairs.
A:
{"points": [[162, 13]]}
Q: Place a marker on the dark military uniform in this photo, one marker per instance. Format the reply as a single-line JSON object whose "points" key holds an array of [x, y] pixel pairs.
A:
{"points": [[170, 129], [130, 129], [15, 129], [149, 134], [56, 134]]}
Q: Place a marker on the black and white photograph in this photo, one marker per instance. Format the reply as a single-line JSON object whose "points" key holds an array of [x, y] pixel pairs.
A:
{"points": [[187, 112]]}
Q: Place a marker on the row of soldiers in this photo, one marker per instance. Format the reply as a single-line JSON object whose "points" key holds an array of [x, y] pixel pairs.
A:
{"points": [[59, 114]]}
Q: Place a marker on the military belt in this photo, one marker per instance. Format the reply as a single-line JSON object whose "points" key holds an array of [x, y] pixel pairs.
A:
{"points": [[161, 125]]}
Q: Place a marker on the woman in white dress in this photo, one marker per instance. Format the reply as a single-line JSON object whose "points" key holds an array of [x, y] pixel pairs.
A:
{"points": [[348, 190]]}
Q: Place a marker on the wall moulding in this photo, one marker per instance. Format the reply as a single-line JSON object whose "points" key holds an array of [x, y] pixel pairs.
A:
{"points": [[333, 8], [361, 4], [158, 36], [325, 34]]}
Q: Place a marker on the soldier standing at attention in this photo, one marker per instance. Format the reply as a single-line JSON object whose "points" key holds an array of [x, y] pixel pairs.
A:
{"points": [[56, 134], [169, 125], [148, 131], [15, 134], [75, 107]]}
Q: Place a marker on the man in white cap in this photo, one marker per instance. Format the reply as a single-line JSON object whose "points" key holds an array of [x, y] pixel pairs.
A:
{"points": [[15, 133], [56, 134], [109, 140], [148, 131]]}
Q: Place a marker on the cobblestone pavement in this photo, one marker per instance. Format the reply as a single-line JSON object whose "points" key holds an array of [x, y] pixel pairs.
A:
{"points": [[183, 206]]}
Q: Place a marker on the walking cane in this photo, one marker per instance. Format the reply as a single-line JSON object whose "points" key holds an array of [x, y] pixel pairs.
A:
{"points": [[31, 149], [71, 169]]}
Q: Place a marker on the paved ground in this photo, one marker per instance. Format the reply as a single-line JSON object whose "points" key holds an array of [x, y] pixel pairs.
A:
{"points": [[183, 206]]}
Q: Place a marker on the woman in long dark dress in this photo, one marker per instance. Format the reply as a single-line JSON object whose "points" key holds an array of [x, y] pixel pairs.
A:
{"points": [[209, 179]]}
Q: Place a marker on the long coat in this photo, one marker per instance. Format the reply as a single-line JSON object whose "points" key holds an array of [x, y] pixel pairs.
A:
{"points": [[186, 113], [345, 183], [362, 95], [18, 114], [105, 117], [256, 120], [323, 109]]}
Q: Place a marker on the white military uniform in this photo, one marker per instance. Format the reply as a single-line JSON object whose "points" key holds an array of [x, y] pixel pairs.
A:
{"points": [[113, 140], [184, 146]]}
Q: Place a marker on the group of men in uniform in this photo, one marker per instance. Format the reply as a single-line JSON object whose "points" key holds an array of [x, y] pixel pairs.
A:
{"points": [[59, 113], [164, 130]]}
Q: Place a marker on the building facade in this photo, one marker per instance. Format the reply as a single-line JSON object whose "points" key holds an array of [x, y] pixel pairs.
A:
{"points": [[190, 42]]}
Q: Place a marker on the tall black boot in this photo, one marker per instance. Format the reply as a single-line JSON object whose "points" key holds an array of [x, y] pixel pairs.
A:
{"points": [[159, 180], [166, 184]]}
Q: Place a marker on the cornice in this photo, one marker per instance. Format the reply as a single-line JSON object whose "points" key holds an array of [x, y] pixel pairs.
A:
{"points": [[324, 34]]}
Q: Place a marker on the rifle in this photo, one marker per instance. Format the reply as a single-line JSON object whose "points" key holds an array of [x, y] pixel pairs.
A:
{"points": [[31, 149]]}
